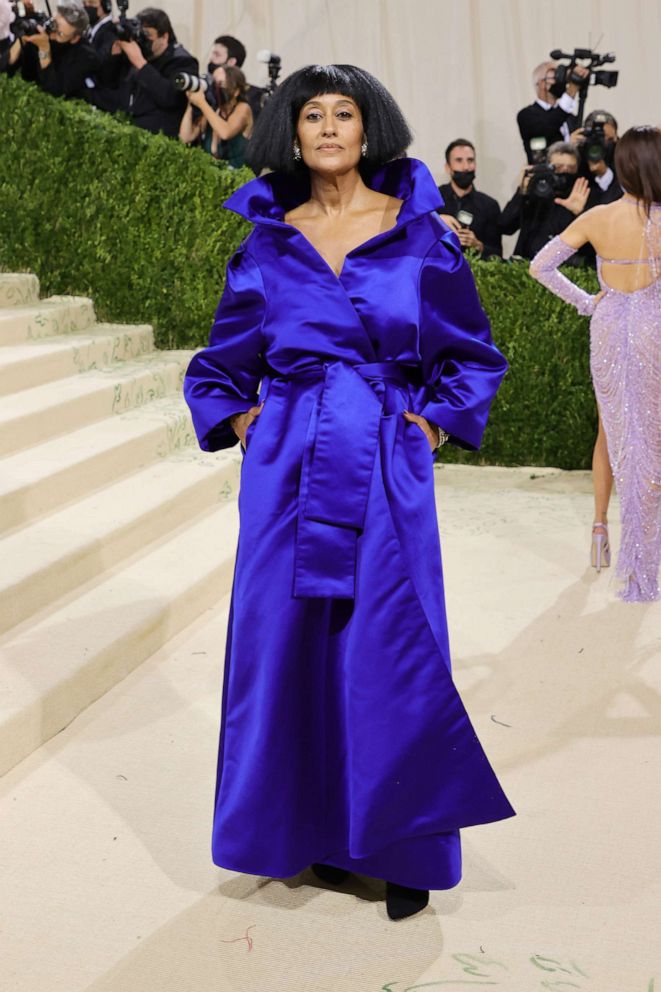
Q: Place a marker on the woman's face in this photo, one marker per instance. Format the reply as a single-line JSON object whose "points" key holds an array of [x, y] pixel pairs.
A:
{"points": [[219, 76], [330, 133]]}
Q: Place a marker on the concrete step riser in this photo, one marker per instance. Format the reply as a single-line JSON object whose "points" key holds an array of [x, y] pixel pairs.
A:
{"points": [[55, 666], [117, 396], [56, 316], [23, 504], [17, 289], [80, 355], [23, 732], [56, 578]]}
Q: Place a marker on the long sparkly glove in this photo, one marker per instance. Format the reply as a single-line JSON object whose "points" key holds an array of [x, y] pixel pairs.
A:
{"points": [[544, 268]]}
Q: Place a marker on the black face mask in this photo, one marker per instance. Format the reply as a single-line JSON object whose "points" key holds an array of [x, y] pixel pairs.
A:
{"points": [[93, 14], [464, 179]]}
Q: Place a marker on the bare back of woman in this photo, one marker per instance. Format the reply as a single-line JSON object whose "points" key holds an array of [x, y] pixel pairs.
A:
{"points": [[623, 238]]}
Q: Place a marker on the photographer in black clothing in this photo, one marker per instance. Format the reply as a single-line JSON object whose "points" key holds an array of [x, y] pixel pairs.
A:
{"points": [[10, 46], [549, 118], [65, 59], [229, 51], [596, 142], [547, 200], [473, 215], [149, 96], [101, 34]]}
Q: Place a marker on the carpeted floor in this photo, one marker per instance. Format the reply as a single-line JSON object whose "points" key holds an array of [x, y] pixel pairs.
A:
{"points": [[107, 883]]}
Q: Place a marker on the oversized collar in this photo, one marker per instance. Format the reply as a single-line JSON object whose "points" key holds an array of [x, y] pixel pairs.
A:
{"points": [[267, 199]]}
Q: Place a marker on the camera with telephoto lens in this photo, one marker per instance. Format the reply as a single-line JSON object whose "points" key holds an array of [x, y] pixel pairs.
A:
{"points": [[25, 23], [545, 183], [186, 82], [594, 146], [565, 74]]}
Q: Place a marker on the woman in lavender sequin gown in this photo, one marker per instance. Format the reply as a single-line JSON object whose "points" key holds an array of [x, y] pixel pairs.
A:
{"points": [[625, 349]]}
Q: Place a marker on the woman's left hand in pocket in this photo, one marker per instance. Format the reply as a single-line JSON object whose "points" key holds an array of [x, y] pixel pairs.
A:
{"points": [[428, 429]]}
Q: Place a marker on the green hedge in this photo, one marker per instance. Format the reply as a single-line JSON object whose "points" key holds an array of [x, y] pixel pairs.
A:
{"points": [[97, 207]]}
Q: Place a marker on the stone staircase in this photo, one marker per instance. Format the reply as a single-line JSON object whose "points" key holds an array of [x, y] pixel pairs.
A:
{"points": [[115, 530]]}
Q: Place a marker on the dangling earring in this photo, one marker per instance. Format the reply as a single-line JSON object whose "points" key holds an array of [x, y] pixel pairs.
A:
{"points": [[363, 148], [297, 151]]}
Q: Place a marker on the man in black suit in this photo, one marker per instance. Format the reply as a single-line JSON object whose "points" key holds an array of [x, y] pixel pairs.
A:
{"points": [[549, 119], [104, 86], [101, 34], [150, 96], [477, 225]]}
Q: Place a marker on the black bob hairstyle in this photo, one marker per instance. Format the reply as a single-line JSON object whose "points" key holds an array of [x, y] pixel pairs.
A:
{"points": [[272, 142]]}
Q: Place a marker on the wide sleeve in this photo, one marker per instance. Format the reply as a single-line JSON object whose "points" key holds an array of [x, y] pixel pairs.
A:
{"points": [[223, 379], [461, 366], [544, 268]]}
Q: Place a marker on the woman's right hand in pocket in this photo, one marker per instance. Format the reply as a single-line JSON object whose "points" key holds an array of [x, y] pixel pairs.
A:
{"points": [[240, 422]]}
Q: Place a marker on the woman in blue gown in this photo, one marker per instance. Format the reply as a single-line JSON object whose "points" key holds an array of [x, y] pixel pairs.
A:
{"points": [[349, 342]]}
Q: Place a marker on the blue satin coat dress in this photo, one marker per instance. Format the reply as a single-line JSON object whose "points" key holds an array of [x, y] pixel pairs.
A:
{"points": [[343, 739]]}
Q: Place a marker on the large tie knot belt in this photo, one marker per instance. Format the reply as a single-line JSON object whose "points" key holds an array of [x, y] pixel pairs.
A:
{"points": [[338, 461]]}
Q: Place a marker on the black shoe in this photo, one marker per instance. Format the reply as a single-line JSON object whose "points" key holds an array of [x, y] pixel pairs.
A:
{"points": [[331, 874], [402, 901]]}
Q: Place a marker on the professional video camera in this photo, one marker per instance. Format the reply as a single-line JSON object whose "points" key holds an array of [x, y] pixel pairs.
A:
{"points": [[274, 64], [545, 183], [566, 73], [27, 21], [594, 145]]}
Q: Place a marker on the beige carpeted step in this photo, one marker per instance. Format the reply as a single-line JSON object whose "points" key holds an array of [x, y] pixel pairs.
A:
{"points": [[33, 415], [17, 288], [46, 560], [52, 669], [44, 478], [23, 366], [56, 315]]}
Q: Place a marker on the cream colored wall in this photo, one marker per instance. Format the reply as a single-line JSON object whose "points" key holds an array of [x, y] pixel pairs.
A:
{"points": [[457, 67]]}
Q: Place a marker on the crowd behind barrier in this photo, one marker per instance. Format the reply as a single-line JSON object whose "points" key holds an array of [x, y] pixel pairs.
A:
{"points": [[136, 65]]}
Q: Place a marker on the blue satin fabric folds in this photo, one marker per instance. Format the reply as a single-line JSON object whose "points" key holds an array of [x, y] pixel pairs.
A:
{"points": [[343, 738]]}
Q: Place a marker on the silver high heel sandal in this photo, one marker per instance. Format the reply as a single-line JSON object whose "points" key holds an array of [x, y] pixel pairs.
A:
{"points": [[600, 551]]}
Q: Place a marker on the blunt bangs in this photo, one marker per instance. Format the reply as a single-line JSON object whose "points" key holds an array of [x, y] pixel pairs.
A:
{"points": [[271, 145]]}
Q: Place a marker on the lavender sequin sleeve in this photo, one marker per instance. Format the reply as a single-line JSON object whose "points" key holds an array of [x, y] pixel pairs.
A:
{"points": [[544, 268]]}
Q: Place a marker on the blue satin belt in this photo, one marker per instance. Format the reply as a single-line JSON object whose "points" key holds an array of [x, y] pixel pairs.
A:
{"points": [[338, 461]]}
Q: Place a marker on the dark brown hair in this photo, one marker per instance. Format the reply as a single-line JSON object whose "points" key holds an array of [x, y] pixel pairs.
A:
{"points": [[638, 164]]}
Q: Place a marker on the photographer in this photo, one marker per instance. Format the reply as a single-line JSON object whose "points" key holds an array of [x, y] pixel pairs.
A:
{"points": [[229, 51], [65, 59], [225, 121], [10, 46], [596, 142], [101, 34], [473, 215], [150, 97], [550, 118], [548, 199]]}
